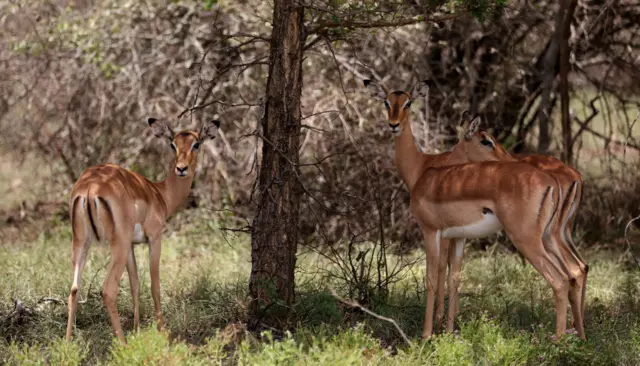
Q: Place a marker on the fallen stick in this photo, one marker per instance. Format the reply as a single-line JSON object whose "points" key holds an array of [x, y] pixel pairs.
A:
{"points": [[355, 304]]}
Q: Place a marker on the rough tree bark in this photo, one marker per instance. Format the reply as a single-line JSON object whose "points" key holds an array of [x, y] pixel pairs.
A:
{"points": [[550, 62], [567, 155], [274, 232]]}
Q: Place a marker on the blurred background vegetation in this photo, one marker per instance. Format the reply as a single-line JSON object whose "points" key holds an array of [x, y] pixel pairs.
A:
{"points": [[79, 78]]}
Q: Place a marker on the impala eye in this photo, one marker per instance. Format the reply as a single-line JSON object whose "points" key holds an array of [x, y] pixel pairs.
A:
{"points": [[486, 142], [173, 146], [196, 146], [387, 104], [407, 104]]}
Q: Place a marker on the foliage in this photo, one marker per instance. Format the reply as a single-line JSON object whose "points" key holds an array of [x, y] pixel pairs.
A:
{"points": [[81, 79], [56, 352], [507, 312], [151, 347]]}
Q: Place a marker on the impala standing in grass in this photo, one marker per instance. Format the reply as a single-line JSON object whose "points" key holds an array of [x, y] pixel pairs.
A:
{"points": [[112, 203], [475, 200], [479, 145]]}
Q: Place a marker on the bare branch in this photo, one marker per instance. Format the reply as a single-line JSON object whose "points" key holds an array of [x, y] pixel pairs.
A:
{"points": [[352, 24], [355, 304], [626, 228]]}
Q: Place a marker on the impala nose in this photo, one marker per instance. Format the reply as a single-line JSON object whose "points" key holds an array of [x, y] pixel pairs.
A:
{"points": [[395, 127], [182, 172]]}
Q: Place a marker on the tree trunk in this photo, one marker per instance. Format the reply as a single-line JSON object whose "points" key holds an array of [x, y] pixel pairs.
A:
{"points": [[550, 61], [274, 233], [567, 155]]}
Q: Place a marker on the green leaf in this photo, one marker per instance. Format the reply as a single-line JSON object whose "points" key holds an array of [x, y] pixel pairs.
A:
{"points": [[209, 4]]}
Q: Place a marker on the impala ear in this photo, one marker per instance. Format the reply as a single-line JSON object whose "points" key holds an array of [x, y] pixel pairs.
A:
{"points": [[209, 130], [377, 90], [462, 127], [474, 124], [160, 129], [460, 132], [420, 90], [465, 117]]}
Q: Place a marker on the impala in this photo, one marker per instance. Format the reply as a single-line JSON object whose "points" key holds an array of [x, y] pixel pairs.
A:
{"points": [[479, 145], [474, 200], [112, 203]]}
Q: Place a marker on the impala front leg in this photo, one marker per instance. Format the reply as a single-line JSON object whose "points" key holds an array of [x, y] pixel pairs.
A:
{"points": [[432, 250], [154, 261]]}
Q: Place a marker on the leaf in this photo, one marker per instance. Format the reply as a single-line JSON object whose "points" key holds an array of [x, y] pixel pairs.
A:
{"points": [[209, 4]]}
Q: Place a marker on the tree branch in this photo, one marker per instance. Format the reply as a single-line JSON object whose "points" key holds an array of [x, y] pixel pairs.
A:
{"points": [[355, 304], [607, 139], [626, 228], [322, 25], [583, 124]]}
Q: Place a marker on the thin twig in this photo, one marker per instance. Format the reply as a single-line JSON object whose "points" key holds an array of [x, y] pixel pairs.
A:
{"points": [[93, 279], [628, 242], [355, 304], [51, 299]]}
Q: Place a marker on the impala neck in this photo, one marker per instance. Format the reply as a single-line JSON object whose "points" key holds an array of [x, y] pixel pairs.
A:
{"points": [[174, 190], [409, 160]]}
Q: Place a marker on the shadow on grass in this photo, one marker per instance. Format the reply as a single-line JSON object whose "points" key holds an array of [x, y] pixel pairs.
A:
{"points": [[507, 317]]}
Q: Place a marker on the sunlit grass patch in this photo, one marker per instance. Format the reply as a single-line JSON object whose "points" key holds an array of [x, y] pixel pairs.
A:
{"points": [[55, 352]]}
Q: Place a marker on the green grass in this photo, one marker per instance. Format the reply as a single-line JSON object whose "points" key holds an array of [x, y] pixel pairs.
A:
{"points": [[506, 317]]}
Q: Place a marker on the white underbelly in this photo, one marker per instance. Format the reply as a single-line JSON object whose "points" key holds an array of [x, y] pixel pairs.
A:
{"points": [[479, 229], [139, 235]]}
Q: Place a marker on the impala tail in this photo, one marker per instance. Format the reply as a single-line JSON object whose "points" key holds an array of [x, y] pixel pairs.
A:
{"points": [[99, 215], [91, 217], [548, 212]]}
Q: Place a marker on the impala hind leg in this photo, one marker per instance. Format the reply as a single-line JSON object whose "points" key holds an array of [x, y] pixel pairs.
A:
{"points": [[81, 245], [81, 242], [442, 277], [120, 248], [154, 261], [572, 266], [455, 260], [578, 290], [134, 283], [579, 268], [575, 299], [584, 267], [533, 249], [578, 271], [432, 250]]}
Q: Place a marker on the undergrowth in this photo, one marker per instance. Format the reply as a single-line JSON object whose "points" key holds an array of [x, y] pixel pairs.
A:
{"points": [[506, 311]]}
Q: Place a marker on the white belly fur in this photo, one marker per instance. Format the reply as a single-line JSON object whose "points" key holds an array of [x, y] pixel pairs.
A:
{"points": [[479, 229], [139, 235]]}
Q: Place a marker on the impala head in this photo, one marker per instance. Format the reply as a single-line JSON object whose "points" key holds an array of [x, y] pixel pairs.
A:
{"points": [[397, 103], [478, 145], [185, 144]]}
